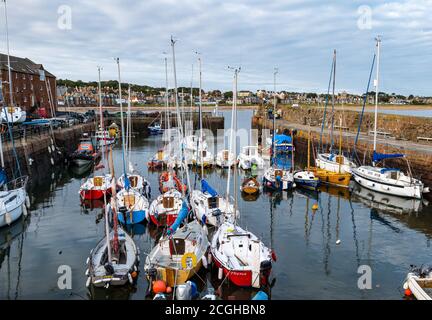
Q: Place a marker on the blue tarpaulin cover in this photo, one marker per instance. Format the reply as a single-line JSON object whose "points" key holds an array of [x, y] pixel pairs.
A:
{"points": [[3, 177], [380, 156], [282, 138], [181, 216], [205, 187]]}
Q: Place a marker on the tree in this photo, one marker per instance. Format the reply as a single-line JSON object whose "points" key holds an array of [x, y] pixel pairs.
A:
{"points": [[228, 95]]}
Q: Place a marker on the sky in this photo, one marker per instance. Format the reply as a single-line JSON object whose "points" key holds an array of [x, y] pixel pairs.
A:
{"points": [[71, 38]]}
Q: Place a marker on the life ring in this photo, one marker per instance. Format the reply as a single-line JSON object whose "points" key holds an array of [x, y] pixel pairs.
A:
{"points": [[185, 257]]}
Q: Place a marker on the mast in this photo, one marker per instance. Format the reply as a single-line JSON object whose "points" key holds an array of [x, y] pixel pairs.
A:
{"points": [[236, 72], [200, 119], [103, 156], [333, 99], [378, 45], [308, 152], [1, 142], [191, 101], [129, 128], [8, 59], [274, 115], [340, 143], [179, 121], [121, 117], [166, 94]]}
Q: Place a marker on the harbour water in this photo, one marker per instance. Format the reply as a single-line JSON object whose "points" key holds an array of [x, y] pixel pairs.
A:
{"points": [[387, 234]]}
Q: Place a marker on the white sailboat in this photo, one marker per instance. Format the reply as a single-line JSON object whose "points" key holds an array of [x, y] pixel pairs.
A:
{"points": [[237, 253], [225, 159], [249, 157], [387, 180]]}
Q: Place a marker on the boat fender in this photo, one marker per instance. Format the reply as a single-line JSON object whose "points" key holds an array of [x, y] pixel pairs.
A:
{"points": [[204, 261], [220, 273], [205, 229], [130, 278], [88, 260], [273, 255], [261, 295], [88, 282], [24, 209], [135, 268], [209, 258], [138, 259], [27, 201], [8, 218], [52, 161], [189, 260], [405, 285], [87, 272], [49, 149]]}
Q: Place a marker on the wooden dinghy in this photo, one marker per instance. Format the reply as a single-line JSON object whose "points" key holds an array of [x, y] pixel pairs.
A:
{"points": [[250, 186]]}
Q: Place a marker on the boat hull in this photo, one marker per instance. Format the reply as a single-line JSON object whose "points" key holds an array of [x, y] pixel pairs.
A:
{"points": [[413, 191], [94, 194], [137, 216], [183, 275], [332, 178]]}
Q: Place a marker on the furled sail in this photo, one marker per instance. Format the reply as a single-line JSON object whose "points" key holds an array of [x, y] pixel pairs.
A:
{"points": [[205, 187], [381, 156], [181, 216]]}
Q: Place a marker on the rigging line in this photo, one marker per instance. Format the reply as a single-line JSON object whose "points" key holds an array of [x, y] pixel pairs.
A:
{"points": [[363, 108], [325, 108]]}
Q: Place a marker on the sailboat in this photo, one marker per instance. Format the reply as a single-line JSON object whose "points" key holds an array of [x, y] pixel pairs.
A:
{"points": [[131, 203], [12, 114], [419, 282], [98, 186], [336, 178], [330, 161], [239, 254], [179, 254], [307, 178], [249, 157], [225, 159], [277, 178], [208, 206], [165, 208], [387, 180], [13, 196], [114, 260], [134, 180]]}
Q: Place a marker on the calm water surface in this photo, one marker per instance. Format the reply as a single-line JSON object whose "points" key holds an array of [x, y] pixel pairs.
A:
{"points": [[385, 233]]}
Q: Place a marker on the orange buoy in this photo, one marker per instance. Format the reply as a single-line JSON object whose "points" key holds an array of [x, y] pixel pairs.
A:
{"points": [[168, 290], [159, 286], [408, 292], [315, 206], [134, 274]]}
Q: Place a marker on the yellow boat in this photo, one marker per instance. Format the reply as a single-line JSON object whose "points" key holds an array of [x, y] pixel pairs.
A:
{"points": [[176, 259], [333, 178]]}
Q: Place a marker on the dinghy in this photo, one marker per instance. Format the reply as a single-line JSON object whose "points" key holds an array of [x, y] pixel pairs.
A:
{"points": [[179, 255], [211, 208], [165, 208], [306, 179], [241, 256], [225, 159], [419, 282], [157, 161], [250, 186], [249, 157], [96, 188]]}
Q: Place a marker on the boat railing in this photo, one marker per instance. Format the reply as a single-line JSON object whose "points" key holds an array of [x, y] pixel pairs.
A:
{"points": [[18, 183]]}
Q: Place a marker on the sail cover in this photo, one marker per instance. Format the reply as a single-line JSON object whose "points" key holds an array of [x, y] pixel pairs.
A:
{"points": [[381, 156], [205, 187], [282, 139], [181, 216]]}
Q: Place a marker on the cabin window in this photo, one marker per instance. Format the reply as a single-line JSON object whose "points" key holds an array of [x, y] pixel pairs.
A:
{"points": [[168, 202], [177, 246], [213, 202], [394, 175]]}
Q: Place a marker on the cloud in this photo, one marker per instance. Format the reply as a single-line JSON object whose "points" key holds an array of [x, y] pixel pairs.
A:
{"points": [[297, 36]]}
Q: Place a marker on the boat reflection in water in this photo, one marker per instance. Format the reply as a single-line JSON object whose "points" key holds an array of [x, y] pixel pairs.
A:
{"points": [[385, 202], [12, 263], [336, 191], [81, 171]]}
